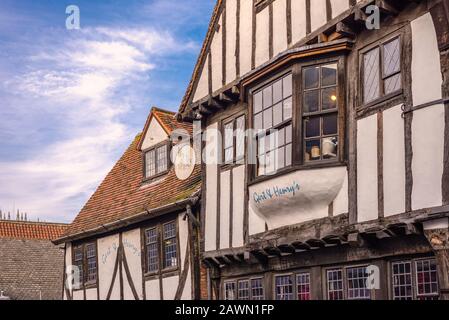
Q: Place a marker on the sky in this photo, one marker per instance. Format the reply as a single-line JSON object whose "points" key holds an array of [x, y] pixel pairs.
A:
{"points": [[71, 101]]}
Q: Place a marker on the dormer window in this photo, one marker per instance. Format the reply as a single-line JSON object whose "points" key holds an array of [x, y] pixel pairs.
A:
{"points": [[156, 161]]}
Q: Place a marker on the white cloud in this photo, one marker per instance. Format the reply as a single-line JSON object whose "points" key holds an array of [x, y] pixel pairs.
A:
{"points": [[87, 80]]}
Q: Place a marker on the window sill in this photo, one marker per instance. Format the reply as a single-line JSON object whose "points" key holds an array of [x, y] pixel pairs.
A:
{"points": [[154, 178], [165, 273], [388, 101], [302, 167]]}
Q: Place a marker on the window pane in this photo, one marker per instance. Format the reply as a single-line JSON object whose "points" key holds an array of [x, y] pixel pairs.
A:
{"points": [[356, 281], [91, 255], [229, 135], [313, 150], [330, 147], [427, 282], [270, 162], [257, 290], [288, 155], [152, 250], [303, 286], [393, 83], [312, 101], [268, 118], [329, 97], [311, 77], [230, 291], [287, 109], [330, 124], [243, 290], [258, 102], [267, 97], [161, 159], [402, 281], [229, 155], [150, 164], [288, 134], [277, 91], [392, 56], [371, 76], [170, 245], [288, 83], [312, 127], [335, 284], [258, 122], [280, 158], [284, 288], [329, 75], [277, 114], [240, 137]]}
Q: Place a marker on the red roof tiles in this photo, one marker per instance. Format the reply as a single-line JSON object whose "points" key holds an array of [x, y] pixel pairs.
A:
{"points": [[31, 230]]}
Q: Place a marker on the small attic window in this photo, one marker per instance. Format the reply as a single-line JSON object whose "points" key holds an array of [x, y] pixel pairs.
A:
{"points": [[156, 161]]}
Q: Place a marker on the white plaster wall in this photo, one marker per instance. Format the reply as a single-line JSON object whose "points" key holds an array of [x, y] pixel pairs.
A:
{"points": [[202, 89], [212, 187], [298, 20], [68, 262], [170, 286], [152, 290], [367, 195], [255, 223], [107, 254], [132, 245], [217, 54], [155, 134], [339, 6], [279, 26], [225, 207], [311, 194], [318, 14], [426, 68], [91, 294], [428, 124], [231, 27], [238, 204], [428, 157], [78, 295], [262, 37], [246, 16], [393, 161], [184, 238], [341, 201]]}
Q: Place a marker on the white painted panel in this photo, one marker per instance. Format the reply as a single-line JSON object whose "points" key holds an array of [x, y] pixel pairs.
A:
{"points": [[426, 67], [297, 197], [238, 203], [152, 290], [187, 293], [91, 294], [279, 26], [339, 6], [217, 62], [341, 201], [367, 195], [212, 187], [78, 295], [202, 89], [107, 255], [231, 27], [428, 156], [68, 262], [318, 14], [262, 37], [298, 20], [155, 134], [225, 207], [393, 161], [246, 17], [184, 238], [170, 286], [255, 223], [132, 246]]}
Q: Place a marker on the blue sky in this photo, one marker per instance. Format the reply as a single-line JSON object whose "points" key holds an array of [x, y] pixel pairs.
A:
{"points": [[72, 100]]}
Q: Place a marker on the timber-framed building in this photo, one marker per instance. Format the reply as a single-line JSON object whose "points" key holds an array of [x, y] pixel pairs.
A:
{"points": [[358, 180]]}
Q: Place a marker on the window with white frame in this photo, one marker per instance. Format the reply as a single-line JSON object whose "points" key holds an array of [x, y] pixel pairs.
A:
{"points": [[335, 289], [272, 121], [356, 279], [156, 161], [303, 286], [382, 71], [416, 279], [284, 287], [244, 289]]}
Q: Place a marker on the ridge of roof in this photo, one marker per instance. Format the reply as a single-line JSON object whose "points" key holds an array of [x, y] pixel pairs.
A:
{"points": [[29, 230]]}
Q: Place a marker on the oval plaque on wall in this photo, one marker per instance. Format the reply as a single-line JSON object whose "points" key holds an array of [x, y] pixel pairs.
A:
{"points": [[184, 162]]}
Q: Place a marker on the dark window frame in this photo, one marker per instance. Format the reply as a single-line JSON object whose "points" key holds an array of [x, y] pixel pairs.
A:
{"points": [[85, 283], [344, 271], [236, 161], [250, 288], [298, 135], [294, 278], [154, 149], [159, 227]]}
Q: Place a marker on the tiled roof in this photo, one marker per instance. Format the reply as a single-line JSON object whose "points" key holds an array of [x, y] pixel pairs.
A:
{"points": [[169, 122], [30, 230], [122, 194]]}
